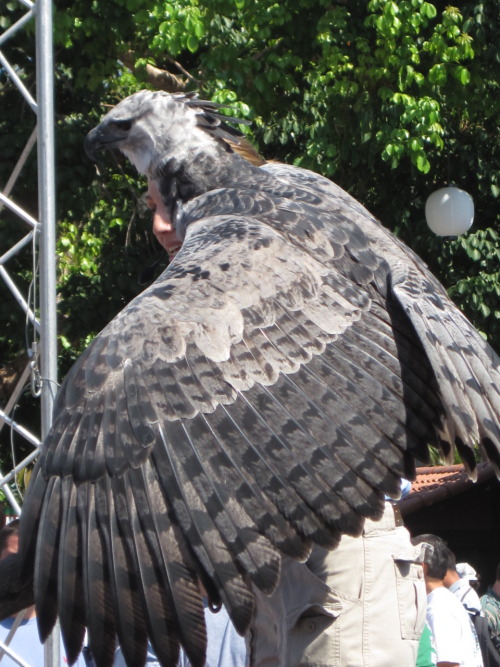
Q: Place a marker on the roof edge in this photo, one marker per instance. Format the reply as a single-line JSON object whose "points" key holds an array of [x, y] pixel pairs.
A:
{"points": [[451, 480]]}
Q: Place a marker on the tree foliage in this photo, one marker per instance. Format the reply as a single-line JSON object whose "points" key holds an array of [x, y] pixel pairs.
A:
{"points": [[390, 98]]}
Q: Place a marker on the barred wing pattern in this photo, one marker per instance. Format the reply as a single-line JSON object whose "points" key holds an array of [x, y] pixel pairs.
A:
{"points": [[262, 395]]}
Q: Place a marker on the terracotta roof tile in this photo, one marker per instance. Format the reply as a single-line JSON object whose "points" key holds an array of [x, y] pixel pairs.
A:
{"points": [[436, 483]]}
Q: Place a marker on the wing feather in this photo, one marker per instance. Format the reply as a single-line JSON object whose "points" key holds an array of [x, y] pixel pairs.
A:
{"points": [[210, 471], [247, 491], [112, 500], [198, 528], [71, 606], [468, 379], [270, 478], [181, 615], [96, 568], [300, 410], [45, 580]]}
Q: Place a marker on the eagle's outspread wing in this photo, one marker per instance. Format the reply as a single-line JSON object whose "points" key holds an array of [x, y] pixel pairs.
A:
{"points": [[262, 395]]}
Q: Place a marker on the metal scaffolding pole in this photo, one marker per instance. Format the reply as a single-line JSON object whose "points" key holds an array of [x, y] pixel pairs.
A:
{"points": [[47, 208], [42, 319], [46, 199]]}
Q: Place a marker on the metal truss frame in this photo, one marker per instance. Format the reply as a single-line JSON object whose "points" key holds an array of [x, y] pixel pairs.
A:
{"points": [[35, 236]]}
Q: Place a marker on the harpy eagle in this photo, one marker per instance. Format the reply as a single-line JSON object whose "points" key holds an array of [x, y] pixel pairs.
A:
{"points": [[269, 388]]}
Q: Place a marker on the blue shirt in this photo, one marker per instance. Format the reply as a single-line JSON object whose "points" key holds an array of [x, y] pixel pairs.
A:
{"points": [[225, 647], [26, 644]]}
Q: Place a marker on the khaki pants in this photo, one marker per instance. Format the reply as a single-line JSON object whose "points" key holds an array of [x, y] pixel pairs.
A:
{"points": [[361, 605]]}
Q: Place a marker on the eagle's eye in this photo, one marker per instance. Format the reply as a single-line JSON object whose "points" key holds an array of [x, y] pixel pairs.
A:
{"points": [[124, 125]]}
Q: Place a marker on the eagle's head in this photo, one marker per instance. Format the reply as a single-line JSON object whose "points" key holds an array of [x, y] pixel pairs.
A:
{"points": [[151, 128]]}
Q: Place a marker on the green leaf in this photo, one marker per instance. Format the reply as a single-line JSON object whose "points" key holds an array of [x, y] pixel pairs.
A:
{"points": [[199, 29], [391, 8], [463, 75], [437, 74], [416, 145], [475, 255], [423, 164], [485, 310], [428, 10]]}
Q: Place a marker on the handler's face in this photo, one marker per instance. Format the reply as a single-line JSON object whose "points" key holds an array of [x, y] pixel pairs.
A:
{"points": [[163, 228]]}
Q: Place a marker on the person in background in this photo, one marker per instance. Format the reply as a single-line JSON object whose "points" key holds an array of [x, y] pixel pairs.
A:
{"points": [[426, 656], [454, 636], [461, 588], [459, 585], [468, 573], [490, 604], [19, 634], [225, 647], [151, 659]]}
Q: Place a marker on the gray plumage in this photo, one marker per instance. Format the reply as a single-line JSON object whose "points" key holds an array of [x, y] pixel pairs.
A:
{"points": [[262, 395]]}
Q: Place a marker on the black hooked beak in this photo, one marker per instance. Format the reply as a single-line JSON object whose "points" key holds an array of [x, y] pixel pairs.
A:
{"points": [[108, 134], [93, 143]]}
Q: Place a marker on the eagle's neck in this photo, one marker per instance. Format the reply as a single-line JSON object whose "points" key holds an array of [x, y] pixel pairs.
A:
{"points": [[179, 181]]}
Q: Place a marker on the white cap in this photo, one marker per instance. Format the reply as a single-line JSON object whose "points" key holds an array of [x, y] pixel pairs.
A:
{"points": [[466, 571]]}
